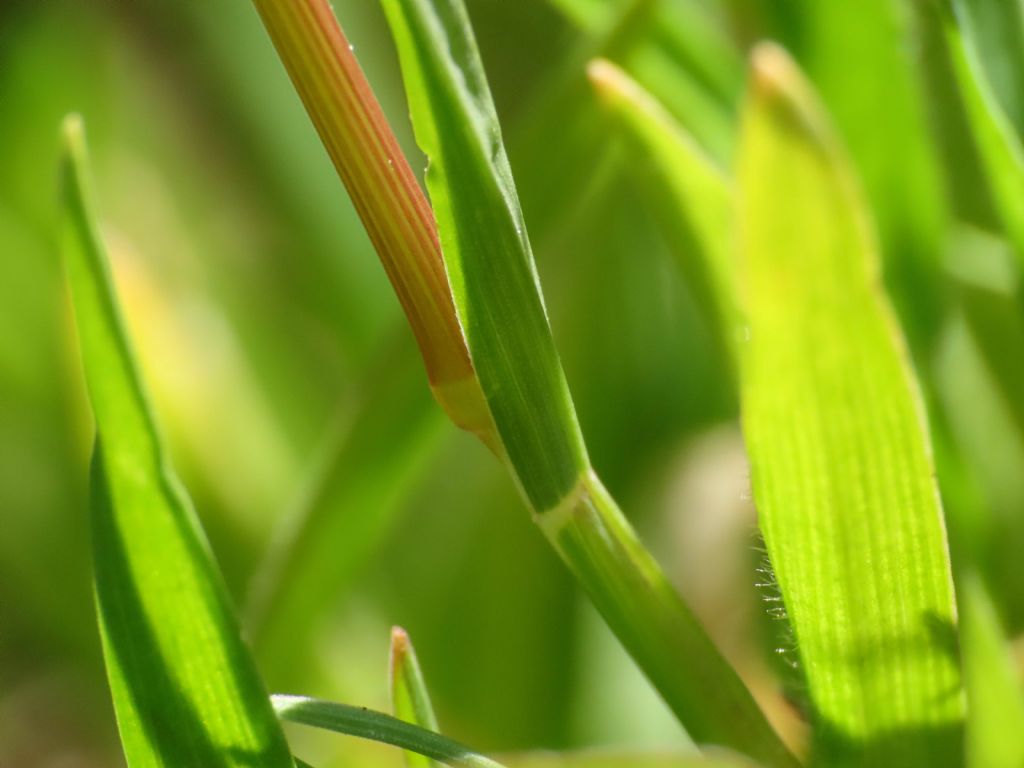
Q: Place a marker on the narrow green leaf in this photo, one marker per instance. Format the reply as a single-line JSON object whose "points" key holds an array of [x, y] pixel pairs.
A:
{"points": [[690, 193], [410, 700], [998, 144], [376, 726], [840, 458], [185, 689], [995, 720], [498, 299]]}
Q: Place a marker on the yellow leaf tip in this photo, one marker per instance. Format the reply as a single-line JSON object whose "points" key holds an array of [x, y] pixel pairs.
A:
{"points": [[610, 81], [772, 70], [72, 131], [602, 73], [399, 642]]}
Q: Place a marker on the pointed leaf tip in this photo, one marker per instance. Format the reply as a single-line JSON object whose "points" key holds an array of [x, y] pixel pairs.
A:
{"points": [[772, 69], [410, 700]]}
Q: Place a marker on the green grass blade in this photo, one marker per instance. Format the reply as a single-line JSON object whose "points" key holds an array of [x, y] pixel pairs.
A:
{"points": [[410, 700], [498, 299], [691, 195], [185, 689], [998, 144], [995, 719], [840, 458], [376, 726]]}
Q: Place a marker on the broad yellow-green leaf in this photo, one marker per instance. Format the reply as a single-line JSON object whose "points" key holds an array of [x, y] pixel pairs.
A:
{"points": [[841, 467], [410, 700], [185, 689], [995, 701]]}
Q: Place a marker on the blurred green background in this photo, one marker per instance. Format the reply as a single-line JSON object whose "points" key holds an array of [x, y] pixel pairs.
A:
{"points": [[288, 386]]}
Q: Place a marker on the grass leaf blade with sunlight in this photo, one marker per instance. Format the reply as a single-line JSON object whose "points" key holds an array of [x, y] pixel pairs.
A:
{"points": [[185, 690], [366, 724], [410, 700], [840, 459]]}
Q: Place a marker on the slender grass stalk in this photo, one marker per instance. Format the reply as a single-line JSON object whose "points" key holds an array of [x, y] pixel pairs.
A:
{"points": [[376, 726], [389, 201]]}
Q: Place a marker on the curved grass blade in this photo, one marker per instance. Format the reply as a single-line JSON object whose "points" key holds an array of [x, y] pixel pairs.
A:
{"points": [[840, 458], [691, 195], [410, 700], [498, 300], [185, 689], [998, 144], [376, 726], [995, 714]]}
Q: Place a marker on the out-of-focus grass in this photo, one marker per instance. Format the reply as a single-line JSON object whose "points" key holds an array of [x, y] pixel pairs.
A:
{"points": [[260, 313]]}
